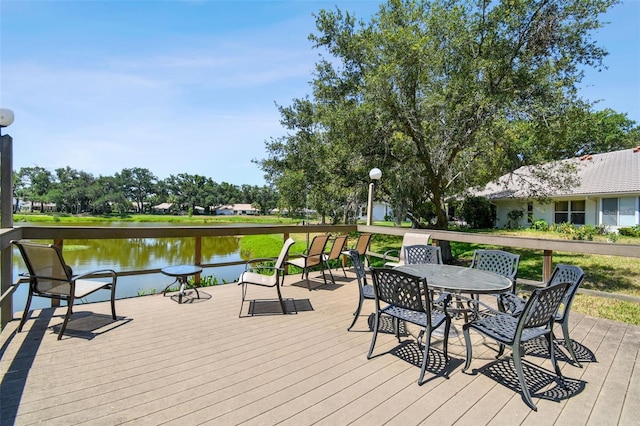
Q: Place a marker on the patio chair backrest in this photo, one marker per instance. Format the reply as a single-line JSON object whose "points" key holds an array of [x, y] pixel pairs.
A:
{"points": [[358, 267], [316, 250], [338, 246], [399, 289], [363, 243], [411, 239], [420, 254], [542, 305], [497, 261], [48, 272], [574, 275], [283, 253]]}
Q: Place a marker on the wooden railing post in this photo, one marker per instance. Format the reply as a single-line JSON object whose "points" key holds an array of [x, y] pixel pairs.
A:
{"points": [[58, 243], [198, 257], [547, 265], [285, 237]]}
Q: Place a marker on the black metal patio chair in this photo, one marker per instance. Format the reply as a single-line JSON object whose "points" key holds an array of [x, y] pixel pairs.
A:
{"points": [[535, 320], [574, 275], [365, 290], [407, 299], [420, 253]]}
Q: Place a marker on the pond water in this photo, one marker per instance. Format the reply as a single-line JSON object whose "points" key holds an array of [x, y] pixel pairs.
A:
{"points": [[134, 254]]}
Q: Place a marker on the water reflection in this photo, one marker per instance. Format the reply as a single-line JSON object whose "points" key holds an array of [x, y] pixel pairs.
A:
{"points": [[135, 254]]}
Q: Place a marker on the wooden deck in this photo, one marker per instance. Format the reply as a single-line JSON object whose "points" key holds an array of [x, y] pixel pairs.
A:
{"points": [[195, 363]]}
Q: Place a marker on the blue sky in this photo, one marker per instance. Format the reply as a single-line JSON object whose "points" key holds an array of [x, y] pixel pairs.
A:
{"points": [[192, 86]]}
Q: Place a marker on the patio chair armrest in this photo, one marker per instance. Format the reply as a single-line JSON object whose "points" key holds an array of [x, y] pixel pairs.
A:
{"points": [[248, 263], [388, 253], [442, 302], [478, 304], [512, 303], [264, 268], [92, 274]]}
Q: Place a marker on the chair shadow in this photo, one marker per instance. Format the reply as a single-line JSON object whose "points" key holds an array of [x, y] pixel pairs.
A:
{"points": [[88, 325], [259, 307], [437, 364], [317, 284], [542, 383], [538, 348], [386, 325]]}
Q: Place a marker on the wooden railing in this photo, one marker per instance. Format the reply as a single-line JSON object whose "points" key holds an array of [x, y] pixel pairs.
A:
{"points": [[60, 233], [57, 234]]}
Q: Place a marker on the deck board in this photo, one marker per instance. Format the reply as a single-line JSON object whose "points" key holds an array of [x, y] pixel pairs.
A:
{"points": [[165, 363]]}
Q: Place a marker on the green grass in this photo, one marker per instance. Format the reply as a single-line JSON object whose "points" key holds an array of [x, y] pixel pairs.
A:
{"points": [[148, 218]]}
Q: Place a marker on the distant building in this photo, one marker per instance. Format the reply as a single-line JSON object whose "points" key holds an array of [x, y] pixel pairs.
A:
{"points": [[608, 194], [380, 212], [163, 207], [236, 209]]}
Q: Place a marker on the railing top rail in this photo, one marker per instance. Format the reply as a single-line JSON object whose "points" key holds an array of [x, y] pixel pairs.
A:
{"points": [[88, 232], [574, 246]]}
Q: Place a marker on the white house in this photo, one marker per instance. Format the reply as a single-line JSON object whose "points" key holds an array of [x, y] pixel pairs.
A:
{"points": [[608, 194], [380, 211], [236, 209]]}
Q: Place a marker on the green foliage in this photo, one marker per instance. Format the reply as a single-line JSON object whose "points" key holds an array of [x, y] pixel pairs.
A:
{"points": [[540, 225], [206, 281], [477, 212], [633, 231], [514, 217], [430, 92]]}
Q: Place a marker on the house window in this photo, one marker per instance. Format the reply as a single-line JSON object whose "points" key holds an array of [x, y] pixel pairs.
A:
{"points": [[619, 211], [561, 212], [577, 212], [610, 211], [529, 212], [570, 211]]}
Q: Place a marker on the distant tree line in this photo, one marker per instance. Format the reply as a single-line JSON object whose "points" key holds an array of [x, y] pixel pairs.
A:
{"points": [[136, 189]]}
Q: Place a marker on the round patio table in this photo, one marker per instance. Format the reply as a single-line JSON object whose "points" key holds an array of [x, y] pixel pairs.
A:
{"points": [[458, 279], [181, 273]]}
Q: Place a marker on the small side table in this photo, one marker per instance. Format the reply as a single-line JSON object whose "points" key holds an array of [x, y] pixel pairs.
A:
{"points": [[181, 273]]}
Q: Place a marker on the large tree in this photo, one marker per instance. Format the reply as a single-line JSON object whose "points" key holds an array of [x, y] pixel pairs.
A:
{"points": [[430, 90]]}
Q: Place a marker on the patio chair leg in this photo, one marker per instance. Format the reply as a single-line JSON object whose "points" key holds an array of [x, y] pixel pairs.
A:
{"points": [[447, 328], [25, 314], [375, 334], [552, 353], [356, 314], [330, 274], [467, 343], [244, 293], [66, 318], [567, 342], [284, 311], [113, 302], [425, 354], [517, 362]]}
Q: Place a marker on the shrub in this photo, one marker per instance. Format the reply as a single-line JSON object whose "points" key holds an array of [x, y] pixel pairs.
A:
{"points": [[540, 225], [633, 231], [477, 212], [586, 232]]}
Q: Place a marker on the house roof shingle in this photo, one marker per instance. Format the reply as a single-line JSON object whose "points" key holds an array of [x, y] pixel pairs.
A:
{"points": [[616, 172]]}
